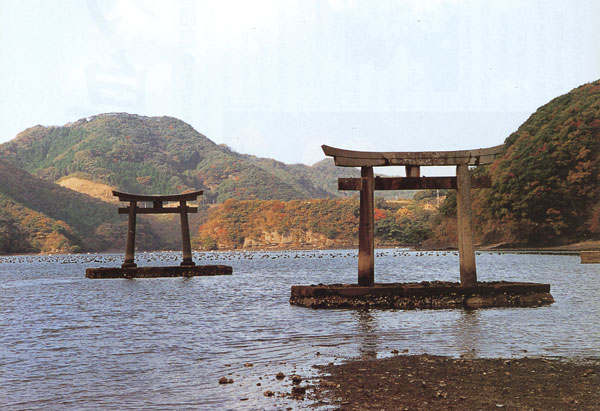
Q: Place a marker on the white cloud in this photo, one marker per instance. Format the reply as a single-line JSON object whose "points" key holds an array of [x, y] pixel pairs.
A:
{"points": [[249, 139], [146, 21], [342, 4], [231, 18]]}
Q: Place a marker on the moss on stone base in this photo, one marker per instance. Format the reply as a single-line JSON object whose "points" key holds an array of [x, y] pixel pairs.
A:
{"points": [[425, 295]]}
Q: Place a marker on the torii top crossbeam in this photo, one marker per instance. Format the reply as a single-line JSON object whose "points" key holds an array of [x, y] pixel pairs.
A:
{"points": [[351, 158], [462, 159], [192, 196]]}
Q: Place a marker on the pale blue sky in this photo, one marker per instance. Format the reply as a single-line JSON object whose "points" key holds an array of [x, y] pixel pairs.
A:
{"points": [[279, 78]]}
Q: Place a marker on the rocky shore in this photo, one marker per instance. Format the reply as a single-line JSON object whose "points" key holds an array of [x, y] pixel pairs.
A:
{"points": [[425, 382]]}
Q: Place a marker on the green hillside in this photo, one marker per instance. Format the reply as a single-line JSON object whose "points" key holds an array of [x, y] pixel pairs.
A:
{"points": [[546, 186], [160, 155], [37, 215], [548, 180]]}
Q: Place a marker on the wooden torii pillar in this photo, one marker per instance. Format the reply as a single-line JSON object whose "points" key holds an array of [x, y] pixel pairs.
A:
{"points": [[412, 161], [157, 208]]}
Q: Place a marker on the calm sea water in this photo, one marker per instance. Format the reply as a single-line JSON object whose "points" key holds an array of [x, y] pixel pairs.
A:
{"points": [[68, 342]]}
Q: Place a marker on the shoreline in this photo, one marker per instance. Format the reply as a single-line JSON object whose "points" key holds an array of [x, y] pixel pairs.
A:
{"points": [[566, 249], [427, 382], [563, 248]]}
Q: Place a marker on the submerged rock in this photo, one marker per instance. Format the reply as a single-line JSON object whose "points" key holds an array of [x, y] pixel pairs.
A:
{"points": [[225, 380]]}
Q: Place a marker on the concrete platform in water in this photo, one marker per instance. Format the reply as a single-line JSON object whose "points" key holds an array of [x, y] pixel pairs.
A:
{"points": [[424, 295], [156, 272], [590, 257]]}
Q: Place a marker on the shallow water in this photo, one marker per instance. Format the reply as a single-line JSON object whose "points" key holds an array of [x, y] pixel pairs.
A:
{"points": [[72, 342]]}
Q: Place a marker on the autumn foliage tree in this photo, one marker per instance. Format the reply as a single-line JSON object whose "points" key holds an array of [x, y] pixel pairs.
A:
{"points": [[236, 223], [548, 177]]}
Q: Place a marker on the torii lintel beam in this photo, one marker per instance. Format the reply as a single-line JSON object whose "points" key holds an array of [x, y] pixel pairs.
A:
{"points": [[351, 158]]}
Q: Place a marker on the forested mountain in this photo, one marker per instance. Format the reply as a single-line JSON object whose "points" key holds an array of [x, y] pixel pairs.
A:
{"points": [[132, 153], [546, 186], [40, 216], [162, 155], [548, 180]]}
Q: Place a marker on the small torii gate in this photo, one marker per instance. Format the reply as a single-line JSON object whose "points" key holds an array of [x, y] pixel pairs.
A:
{"points": [[157, 208], [412, 161]]}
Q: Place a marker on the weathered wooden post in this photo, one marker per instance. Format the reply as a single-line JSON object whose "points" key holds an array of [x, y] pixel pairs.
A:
{"points": [[185, 235], [366, 229], [413, 171], [130, 241], [466, 249]]}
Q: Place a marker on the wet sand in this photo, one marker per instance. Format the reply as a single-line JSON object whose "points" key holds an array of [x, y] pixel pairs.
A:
{"points": [[425, 382]]}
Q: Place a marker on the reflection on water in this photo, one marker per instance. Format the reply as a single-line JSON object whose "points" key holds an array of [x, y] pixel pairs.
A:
{"points": [[368, 331], [464, 335], [467, 330], [71, 342]]}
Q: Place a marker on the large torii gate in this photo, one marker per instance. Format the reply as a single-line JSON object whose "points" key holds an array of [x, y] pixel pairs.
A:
{"points": [[367, 183]]}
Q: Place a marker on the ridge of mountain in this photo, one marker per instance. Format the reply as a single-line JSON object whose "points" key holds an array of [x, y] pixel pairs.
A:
{"points": [[548, 179], [162, 155], [546, 185]]}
